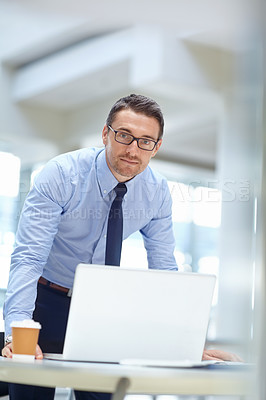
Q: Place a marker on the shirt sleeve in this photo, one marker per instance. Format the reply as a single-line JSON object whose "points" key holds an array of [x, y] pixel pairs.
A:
{"points": [[37, 227], [158, 236]]}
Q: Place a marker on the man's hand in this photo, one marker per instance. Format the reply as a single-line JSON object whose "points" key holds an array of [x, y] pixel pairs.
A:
{"points": [[7, 352], [220, 355]]}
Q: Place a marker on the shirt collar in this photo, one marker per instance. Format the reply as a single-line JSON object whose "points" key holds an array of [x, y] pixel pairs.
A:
{"points": [[105, 177]]}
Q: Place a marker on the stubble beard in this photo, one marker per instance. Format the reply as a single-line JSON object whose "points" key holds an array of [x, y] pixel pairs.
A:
{"points": [[127, 171]]}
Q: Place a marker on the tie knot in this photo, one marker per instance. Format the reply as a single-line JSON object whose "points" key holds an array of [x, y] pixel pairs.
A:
{"points": [[120, 190]]}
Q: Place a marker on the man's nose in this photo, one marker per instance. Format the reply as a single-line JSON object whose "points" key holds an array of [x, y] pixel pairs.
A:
{"points": [[133, 148]]}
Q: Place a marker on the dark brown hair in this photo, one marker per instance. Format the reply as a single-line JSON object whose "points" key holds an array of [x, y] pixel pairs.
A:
{"points": [[138, 104]]}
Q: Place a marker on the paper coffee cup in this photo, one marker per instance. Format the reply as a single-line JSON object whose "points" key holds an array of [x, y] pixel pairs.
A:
{"points": [[25, 336]]}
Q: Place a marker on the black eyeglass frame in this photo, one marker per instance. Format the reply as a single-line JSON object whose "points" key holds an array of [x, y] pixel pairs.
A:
{"points": [[133, 138]]}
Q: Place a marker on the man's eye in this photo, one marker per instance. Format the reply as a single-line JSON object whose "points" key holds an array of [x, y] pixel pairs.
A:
{"points": [[146, 142], [123, 135]]}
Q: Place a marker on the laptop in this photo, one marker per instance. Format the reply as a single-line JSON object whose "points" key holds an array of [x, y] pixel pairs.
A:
{"points": [[137, 316]]}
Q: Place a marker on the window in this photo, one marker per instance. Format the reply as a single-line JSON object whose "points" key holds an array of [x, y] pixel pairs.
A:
{"points": [[9, 191], [196, 220]]}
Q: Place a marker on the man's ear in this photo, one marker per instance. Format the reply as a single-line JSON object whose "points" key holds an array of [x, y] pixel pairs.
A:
{"points": [[104, 134], [156, 148]]}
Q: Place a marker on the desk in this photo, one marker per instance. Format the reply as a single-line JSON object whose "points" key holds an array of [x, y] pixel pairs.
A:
{"points": [[139, 380]]}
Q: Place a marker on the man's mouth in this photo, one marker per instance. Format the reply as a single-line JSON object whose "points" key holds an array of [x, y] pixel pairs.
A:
{"points": [[132, 162]]}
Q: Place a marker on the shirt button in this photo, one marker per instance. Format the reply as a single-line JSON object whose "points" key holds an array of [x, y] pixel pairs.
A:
{"points": [[105, 236], [104, 191]]}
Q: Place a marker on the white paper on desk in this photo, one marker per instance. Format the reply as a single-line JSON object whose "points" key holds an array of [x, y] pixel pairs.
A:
{"points": [[53, 356], [169, 363]]}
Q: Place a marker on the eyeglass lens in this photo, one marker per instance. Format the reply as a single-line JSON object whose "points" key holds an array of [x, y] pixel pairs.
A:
{"points": [[126, 138]]}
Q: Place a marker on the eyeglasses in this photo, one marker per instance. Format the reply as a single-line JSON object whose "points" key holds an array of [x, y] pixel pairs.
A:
{"points": [[126, 138]]}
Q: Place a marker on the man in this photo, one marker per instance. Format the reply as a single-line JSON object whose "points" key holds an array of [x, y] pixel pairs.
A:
{"points": [[65, 222]]}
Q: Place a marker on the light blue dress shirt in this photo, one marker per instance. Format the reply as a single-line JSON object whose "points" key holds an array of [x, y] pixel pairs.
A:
{"points": [[64, 223]]}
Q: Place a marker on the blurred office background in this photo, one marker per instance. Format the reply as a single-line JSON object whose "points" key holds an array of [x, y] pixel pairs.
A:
{"points": [[63, 65]]}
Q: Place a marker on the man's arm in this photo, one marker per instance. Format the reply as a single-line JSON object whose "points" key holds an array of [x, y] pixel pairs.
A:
{"points": [[37, 227], [158, 235]]}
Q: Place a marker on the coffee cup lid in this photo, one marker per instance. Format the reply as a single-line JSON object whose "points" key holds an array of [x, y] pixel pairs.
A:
{"points": [[26, 323]]}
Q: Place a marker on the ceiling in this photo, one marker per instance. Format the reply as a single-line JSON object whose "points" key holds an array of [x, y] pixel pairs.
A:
{"points": [[64, 63]]}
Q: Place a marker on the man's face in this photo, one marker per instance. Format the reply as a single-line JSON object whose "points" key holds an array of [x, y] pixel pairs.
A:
{"points": [[126, 161]]}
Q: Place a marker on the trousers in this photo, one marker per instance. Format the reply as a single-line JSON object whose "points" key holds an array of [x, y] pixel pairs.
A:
{"points": [[51, 310]]}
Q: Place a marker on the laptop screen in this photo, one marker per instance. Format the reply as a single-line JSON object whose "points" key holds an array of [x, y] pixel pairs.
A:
{"points": [[118, 313]]}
